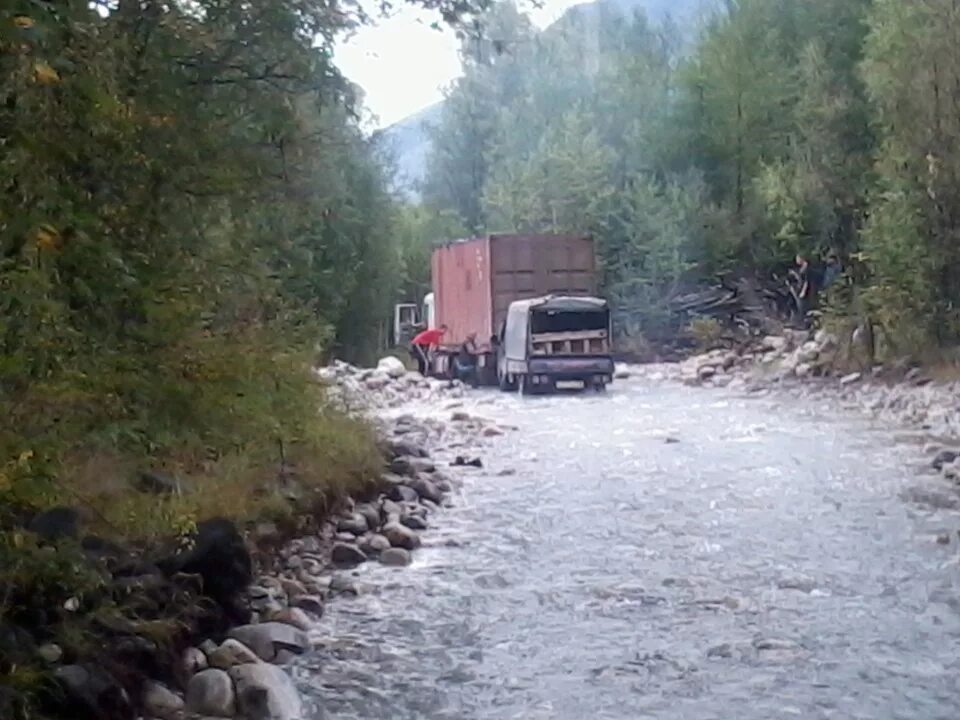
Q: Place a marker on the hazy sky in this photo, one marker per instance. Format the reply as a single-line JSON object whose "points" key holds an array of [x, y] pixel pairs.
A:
{"points": [[403, 64]]}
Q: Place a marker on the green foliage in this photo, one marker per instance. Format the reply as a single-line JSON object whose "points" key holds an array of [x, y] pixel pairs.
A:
{"points": [[814, 127], [189, 214]]}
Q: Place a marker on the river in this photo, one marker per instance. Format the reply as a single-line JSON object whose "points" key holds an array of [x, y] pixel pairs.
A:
{"points": [[662, 552]]}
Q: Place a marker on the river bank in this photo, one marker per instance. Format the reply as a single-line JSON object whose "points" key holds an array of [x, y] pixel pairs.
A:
{"points": [[800, 366], [270, 587], [205, 626]]}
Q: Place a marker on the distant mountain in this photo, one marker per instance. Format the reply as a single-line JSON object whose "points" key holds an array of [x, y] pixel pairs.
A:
{"points": [[409, 140]]}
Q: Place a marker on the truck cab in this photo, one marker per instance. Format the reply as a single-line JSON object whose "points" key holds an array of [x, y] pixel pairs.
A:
{"points": [[551, 341]]}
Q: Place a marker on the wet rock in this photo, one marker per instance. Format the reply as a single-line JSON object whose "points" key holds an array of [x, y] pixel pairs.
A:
{"points": [[355, 524], [412, 466], [395, 557], [724, 650], [193, 661], [293, 616], [266, 692], [161, 702], [405, 448], [257, 592], [211, 693], [945, 457], [92, 691], [425, 488], [850, 379], [310, 603], [802, 583], [940, 499], [343, 585], [267, 639], [460, 416], [346, 555], [56, 523], [461, 461], [230, 653], [402, 493], [292, 587], [374, 544], [370, 513], [706, 372], [392, 367], [401, 536], [492, 431], [413, 522]]}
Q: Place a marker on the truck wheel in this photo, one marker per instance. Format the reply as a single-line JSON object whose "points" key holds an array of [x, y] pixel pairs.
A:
{"points": [[505, 384]]}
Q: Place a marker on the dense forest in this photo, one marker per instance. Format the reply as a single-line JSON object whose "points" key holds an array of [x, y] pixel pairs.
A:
{"points": [[774, 128]]}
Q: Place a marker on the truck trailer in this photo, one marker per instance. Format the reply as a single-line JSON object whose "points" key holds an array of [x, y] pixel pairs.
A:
{"points": [[477, 280]]}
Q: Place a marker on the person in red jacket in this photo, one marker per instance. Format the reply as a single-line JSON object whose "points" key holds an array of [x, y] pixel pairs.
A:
{"points": [[423, 343]]}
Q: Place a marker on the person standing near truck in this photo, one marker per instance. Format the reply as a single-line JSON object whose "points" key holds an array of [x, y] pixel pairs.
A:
{"points": [[423, 344], [466, 360]]}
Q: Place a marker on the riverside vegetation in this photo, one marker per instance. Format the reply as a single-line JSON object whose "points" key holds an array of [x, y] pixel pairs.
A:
{"points": [[756, 130], [189, 216]]}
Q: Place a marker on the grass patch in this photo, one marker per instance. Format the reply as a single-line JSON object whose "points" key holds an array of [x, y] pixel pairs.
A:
{"points": [[236, 419]]}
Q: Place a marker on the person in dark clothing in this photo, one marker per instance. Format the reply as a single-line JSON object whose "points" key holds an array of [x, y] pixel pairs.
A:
{"points": [[805, 289], [466, 361], [832, 272]]}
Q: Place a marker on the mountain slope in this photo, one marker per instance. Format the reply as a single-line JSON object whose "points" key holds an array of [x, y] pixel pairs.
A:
{"points": [[409, 139]]}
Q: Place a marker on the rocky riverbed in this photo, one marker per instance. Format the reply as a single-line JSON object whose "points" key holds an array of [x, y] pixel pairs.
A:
{"points": [[798, 366], [770, 547], [244, 675], [385, 609]]}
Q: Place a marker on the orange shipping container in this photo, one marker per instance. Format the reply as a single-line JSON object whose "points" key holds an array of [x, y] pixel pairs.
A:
{"points": [[475, 280]]}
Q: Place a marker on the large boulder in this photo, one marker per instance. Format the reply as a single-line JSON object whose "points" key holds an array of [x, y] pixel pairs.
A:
{"points": [[220, 557], [266, 692], [211, 693], [91, 692], [396, 557], [347, 555], [161, 702], [268, 639], [355, 524], [426, 489], [401, 536], [401, 493], [393, 367], [231, 653]]}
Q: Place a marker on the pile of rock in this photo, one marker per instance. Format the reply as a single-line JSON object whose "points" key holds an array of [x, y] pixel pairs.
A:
{"points": [[794, 354], [390, 384]]}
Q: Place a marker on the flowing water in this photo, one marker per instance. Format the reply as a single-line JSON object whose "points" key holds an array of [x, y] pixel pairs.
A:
{"points": [[662, 552]]}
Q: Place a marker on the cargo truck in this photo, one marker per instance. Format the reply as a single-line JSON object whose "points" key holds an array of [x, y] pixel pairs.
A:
{"points": [[479, 282]]}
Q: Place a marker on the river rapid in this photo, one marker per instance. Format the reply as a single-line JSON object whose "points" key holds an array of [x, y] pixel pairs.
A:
{"points": [[662, 552]]}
